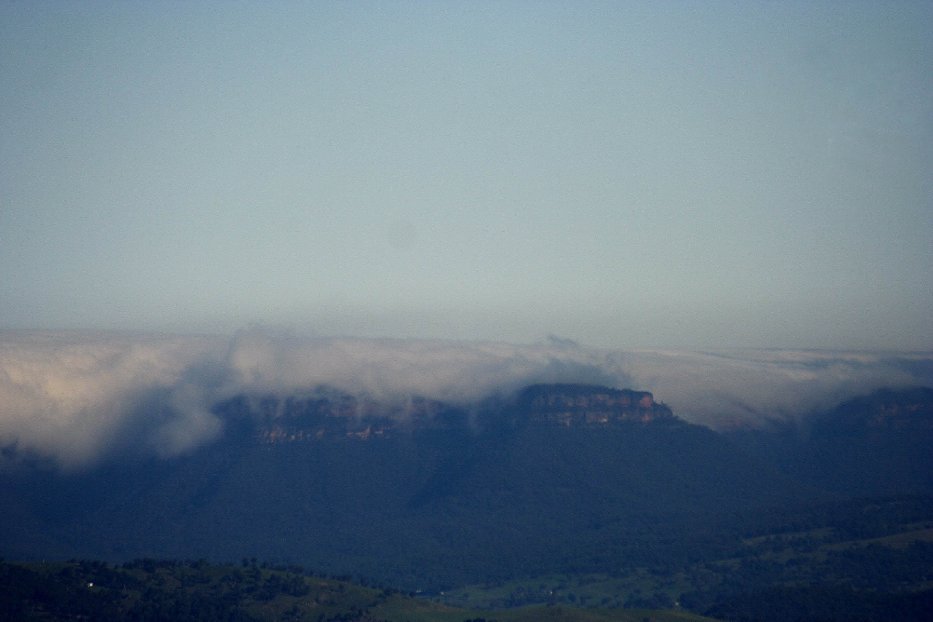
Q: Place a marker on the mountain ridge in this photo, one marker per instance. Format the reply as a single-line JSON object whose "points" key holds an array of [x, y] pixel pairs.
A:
{"points": [[873, 444], [329, 413], [553, 477]]}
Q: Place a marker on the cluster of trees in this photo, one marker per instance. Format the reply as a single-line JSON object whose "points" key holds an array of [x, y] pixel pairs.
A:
{"points": [[150, 589], [824, 603], [155, 590]]}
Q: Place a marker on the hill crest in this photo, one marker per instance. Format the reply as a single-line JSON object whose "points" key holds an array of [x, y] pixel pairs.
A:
{"points": [[326, 413]]}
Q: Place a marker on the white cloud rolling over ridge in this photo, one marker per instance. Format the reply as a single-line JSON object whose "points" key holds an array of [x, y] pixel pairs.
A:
{"points": [[77, 397]]}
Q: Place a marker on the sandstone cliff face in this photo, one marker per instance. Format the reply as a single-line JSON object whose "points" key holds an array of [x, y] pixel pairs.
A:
{"points": [[585, 405], [330, 414], [885, 410], [325, 413]]}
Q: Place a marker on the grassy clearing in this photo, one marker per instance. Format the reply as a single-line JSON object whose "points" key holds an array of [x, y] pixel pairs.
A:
{"points": [[785, 558]]}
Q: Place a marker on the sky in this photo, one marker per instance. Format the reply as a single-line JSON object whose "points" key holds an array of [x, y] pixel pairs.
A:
{"points": [[621, 174]]}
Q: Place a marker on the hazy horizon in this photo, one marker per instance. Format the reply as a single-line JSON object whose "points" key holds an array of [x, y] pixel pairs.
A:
{"points": [[623, 175]]}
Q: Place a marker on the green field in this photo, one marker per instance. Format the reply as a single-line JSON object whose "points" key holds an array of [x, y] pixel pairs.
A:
{"points": [[895, 559]]}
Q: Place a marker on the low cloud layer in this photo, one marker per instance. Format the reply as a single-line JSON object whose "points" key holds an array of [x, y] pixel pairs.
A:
{"points": [[78, 397], [75, 397]]}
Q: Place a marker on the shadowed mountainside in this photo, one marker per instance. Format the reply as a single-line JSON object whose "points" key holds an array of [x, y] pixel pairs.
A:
{"points": [[554, 481], [418, 494], [877, 444]]}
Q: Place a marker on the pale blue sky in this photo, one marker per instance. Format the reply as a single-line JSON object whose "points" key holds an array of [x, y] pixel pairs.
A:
{"points": [[673, 174]]}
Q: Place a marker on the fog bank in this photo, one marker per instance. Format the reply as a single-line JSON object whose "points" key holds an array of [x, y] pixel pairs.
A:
{"points": [[77, 397]]}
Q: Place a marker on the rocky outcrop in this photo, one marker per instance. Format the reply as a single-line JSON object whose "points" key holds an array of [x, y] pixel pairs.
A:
{"points": [[330, 414], [576, 405]]}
